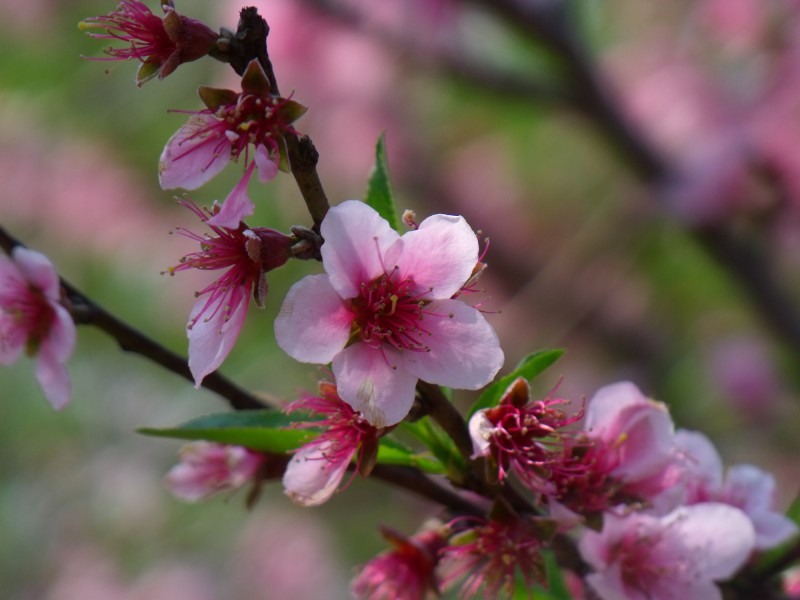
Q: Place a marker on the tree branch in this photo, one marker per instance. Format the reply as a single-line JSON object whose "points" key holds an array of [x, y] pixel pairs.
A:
{"points": [[248, 43], [85, 312], [548, 21]]}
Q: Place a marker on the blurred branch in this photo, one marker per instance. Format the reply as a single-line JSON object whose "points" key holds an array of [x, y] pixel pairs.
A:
{"points": [[549, 22], [454, 63], [589, 93], [414, 481], [85, 312]]}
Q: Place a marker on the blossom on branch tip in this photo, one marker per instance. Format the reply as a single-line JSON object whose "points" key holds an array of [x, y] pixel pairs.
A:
{"points": [[231, 124], [317, 468], [160, 44], [32, 319], [246, 254], [206, 468], [384, 312], [679, 555]]}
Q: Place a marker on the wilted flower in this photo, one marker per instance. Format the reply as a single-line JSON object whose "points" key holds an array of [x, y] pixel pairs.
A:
{"points": [[406, 572], [317, 468], [385, 315], [229, 125], [206, 468], [522, 434], [489, 554], [679, 555], [33, 319], [160, 44], [219, 313]]}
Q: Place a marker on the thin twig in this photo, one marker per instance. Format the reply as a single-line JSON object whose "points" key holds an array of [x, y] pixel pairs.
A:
{"points": [[248, 43]]}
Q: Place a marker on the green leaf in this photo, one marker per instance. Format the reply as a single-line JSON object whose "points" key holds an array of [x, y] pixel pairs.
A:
{"points": [[392, 452], [262, 430], [529, 368], [440, 444], [379, 188], [557, 587]]}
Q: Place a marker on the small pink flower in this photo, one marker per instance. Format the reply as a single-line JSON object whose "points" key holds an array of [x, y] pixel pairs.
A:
{"points": [[489, 555], [317, 468], [206, 468], [636, 432], [407, 572], [160, 44], [227, 128], [33, 319], [218, 315], [696, 476], [523, 435], [620, 457], [680, 555], [385, 314]]}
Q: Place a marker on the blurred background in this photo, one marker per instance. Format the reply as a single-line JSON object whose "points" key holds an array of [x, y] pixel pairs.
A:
{"points": [[590, 251]]}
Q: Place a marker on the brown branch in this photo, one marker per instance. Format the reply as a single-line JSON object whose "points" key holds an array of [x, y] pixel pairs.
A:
{"points": [[248, 43], [414, 481], [749, 268], [86, 312]]}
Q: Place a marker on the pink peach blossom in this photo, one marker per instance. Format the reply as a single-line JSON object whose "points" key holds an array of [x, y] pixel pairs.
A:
{"points": [[317, 468], [384, 311], [636, 433], [523, 435], [33, 319], [406, 572], [206, 468], [217, 317], [488, 555], [229, 125], [160, 44], [697, 476], [676, 556]]}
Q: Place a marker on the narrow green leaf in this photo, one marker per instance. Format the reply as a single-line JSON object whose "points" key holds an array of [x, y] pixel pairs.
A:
{"points": [[440, 444], [392, 452], [529, 368], [263, 430], [557, 587], [379, 188]]}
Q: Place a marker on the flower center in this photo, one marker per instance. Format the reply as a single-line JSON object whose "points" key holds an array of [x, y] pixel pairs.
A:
{"points": [[387, 312], [29, 316], [252, 120]]}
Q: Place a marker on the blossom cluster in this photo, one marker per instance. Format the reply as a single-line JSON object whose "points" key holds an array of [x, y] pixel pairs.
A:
{"points": [[653, 510], [649, 510]]}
